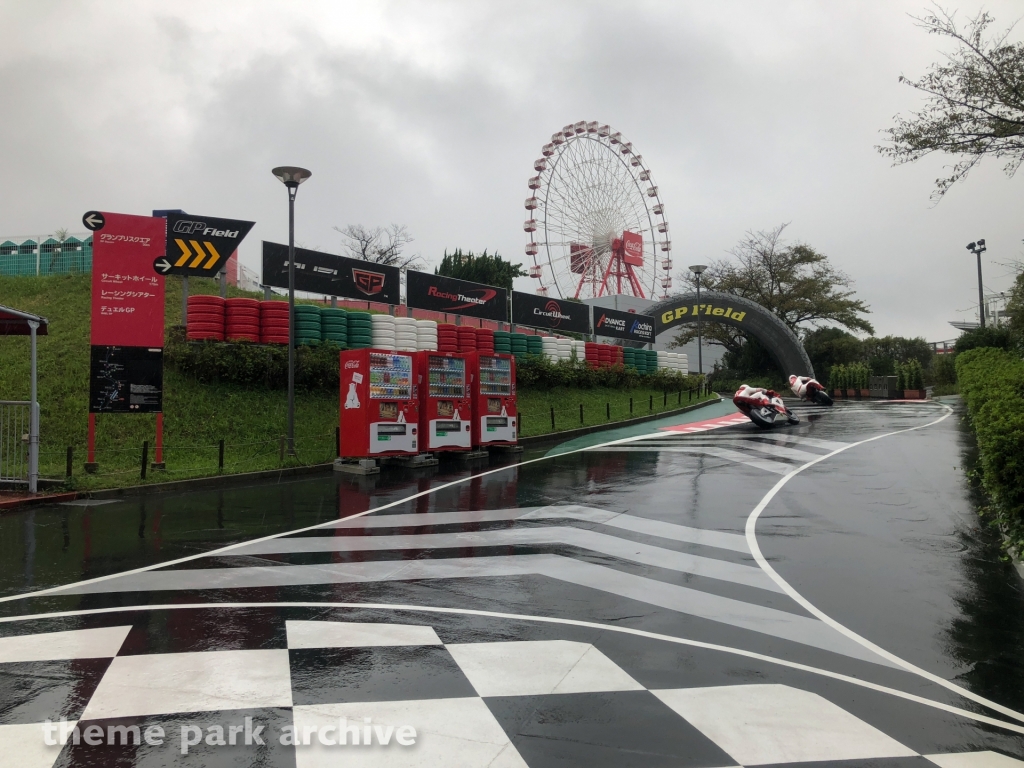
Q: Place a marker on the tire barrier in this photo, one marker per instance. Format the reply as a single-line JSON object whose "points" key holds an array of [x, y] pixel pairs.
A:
{"points": [[744, 314]]}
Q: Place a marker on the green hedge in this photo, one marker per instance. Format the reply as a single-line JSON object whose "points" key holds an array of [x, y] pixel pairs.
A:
{"points": [[991, 381], [538, 372]]}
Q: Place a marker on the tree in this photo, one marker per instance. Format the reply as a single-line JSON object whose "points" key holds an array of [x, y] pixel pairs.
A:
{"points": [[483, 268], [380, 245], [974, 105], [795, 282], [831, 346]]}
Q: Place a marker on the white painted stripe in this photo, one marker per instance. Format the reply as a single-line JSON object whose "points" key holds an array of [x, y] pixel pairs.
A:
{"points": [[594, 541], [721, 453], [750, 445], [967, 714]]}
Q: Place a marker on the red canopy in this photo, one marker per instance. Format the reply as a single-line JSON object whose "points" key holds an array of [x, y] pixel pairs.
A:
{"points": [[14, 322]]}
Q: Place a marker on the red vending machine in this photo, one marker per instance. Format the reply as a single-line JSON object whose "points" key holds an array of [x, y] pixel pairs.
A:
{"points": [[494, 399], [445, 401], [379, 413]]}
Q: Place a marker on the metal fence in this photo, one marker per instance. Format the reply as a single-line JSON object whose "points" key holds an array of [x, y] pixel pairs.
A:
{"points": [[45, 254], [14, 432]]}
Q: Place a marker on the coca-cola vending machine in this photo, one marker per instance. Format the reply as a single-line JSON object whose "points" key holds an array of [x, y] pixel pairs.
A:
{"points": [[379, 403], [494, 399], [445, 401]]}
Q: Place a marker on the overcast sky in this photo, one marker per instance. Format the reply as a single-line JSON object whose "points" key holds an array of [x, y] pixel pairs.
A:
{"points": [[430, 114]]}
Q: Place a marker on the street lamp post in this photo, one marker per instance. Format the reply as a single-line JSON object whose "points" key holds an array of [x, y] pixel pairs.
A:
{"points": [[698, 270], [291, 177], [977, 249]]}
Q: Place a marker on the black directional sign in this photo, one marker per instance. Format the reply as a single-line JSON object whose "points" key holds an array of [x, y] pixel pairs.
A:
{"points": [[200, 245], [126, 380], [93, 220]]}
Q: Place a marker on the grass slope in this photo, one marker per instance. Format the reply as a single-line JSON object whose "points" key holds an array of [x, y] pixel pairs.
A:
{"points": [[197, 416]]}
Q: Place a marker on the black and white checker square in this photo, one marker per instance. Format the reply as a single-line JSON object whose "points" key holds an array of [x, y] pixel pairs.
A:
{"points": [[536, 703]]}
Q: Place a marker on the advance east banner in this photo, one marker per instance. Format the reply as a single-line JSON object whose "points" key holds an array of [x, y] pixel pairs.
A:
{"points": [[330, 275], [456, 297], [127, 295], [623, 325], [550, 314]]}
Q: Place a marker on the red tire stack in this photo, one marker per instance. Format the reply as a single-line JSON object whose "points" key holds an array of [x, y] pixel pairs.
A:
{"points": [[205, 318], [617, 357], [273, 322], [447, 338], [242, 320], [485, 340], [592, 355], [467, 338], [604, 356]]}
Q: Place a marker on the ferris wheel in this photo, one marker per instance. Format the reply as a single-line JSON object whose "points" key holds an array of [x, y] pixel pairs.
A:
{"points": [[596, 224]]}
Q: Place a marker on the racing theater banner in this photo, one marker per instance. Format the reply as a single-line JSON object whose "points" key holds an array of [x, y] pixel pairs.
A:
{"points": [[457, 297], [550, 314], [623, 325], [318, 272]]}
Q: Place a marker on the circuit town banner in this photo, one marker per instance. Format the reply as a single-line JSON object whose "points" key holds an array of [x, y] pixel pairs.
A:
{"points": [[551, 314], [330, 275], [458, 297]]}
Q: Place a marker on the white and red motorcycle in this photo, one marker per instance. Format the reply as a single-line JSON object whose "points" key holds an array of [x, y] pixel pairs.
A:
{"points": [[807, 388], [762, 406]]}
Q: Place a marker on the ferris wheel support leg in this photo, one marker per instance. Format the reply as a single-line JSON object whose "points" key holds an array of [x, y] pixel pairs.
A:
{"points": [[635, 281]]}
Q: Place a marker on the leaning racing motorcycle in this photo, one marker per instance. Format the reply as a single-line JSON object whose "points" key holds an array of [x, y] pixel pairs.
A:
{"points": [[807, 388], [764, 407]]}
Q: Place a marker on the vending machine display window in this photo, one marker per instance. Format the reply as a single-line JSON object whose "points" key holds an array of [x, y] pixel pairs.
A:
{"points": [[495, 376], [446, 376], [390, 377]]}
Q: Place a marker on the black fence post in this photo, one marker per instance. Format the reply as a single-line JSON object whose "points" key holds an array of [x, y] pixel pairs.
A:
{"points": [[337, 437], [552, 417], [220, 456], [679, 401], [689, 395], [608, 411], [650, 405], [71, 460], [581, 413], [631, 406], [145, 457], [280, 449], [664, 399]]}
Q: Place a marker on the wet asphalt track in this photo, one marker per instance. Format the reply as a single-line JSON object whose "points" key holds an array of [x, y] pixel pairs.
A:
{"points": [[615, 605]]}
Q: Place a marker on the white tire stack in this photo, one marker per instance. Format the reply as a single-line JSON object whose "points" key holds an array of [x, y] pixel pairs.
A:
{"points": [[426, 335], [383, 332], [564, 349], [550, 347], [580, 349], [406, 339]]}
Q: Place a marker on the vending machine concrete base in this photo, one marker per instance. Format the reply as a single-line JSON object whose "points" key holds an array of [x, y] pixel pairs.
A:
{"points": [[445, 401], [495, 412], [379, 411]]}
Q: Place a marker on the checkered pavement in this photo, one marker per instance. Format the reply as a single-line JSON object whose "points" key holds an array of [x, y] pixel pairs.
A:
{"points": [[537, 703]]}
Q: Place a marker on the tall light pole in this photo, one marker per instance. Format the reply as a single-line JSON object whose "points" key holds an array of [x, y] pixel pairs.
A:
{"points": [[698, 270], [977, 249], [291, 177]]}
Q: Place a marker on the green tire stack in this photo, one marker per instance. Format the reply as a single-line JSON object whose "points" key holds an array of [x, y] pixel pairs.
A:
{"points": [[534, 345], [652, 361], [360, 330], [519, 345], [334, 326], [629, 357], [307, 325], [502, 343]]}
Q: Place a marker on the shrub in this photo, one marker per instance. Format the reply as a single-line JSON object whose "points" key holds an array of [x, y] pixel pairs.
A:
{"points": [[837, 377], [538, 372], [990, 384]]}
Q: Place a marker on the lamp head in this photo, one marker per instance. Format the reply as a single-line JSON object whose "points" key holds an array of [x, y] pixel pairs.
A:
{"points": [[291, 176], [981, 242], [970, 246], [698, 268]]}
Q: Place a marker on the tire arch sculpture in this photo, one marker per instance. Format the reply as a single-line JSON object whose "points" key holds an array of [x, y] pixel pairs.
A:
{"points": [[740, 313]]}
